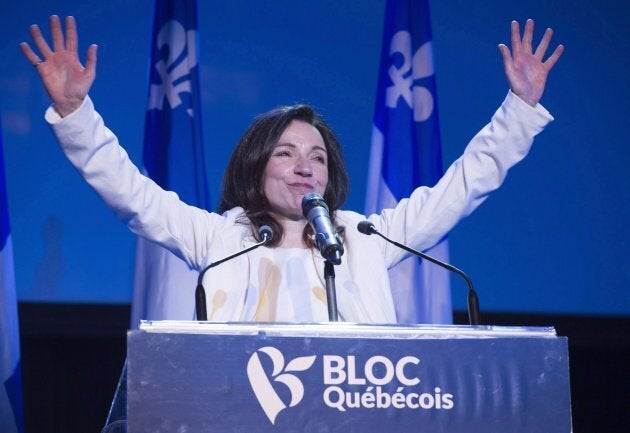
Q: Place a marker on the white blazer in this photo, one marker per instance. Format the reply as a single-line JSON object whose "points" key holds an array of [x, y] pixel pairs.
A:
{"points": [[200, 237]]}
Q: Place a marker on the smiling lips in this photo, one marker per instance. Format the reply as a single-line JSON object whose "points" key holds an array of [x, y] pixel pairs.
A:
{"points": [[302, 188]]}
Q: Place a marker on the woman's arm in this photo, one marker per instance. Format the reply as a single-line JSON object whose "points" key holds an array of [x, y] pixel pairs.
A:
{"points": [[429, 214]]}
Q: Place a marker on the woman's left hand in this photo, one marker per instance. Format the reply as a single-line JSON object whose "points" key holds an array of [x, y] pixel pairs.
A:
{"points": [[525, 70], [62, 74]]}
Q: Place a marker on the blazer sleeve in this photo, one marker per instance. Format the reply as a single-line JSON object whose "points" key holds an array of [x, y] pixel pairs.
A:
{"points": [[148, 210], [424, 218]]}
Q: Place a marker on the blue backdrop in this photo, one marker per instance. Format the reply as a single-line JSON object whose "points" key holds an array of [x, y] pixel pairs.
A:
{"points": [[553, 239]]}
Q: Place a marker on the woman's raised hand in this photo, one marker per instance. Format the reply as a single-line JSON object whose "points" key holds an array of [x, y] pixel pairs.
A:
{"points": [[525, 70], [63, 76]]}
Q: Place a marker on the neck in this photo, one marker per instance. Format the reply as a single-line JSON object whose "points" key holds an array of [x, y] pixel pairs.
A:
{"points": [[293, 230]]}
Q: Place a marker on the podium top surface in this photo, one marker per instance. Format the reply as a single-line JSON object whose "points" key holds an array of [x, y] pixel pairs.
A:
{"points": [[345, 330]]}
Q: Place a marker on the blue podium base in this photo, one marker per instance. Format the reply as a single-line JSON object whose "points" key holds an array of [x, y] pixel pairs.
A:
{"points": [[205, 377]]}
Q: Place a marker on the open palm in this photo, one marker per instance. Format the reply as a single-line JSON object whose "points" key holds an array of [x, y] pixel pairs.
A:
{"points": [[525, 69], [64, 77]]}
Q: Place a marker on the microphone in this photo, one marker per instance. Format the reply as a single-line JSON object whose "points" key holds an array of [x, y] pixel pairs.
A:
{"points": [[367, 228], [264, 232], [316, 211]]}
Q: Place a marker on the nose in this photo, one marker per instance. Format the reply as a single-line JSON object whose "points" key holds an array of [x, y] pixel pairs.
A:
{"points": [[303, 167]]}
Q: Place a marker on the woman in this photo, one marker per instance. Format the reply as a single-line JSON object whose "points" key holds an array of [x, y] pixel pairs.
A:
{"points": [[284, 155]]}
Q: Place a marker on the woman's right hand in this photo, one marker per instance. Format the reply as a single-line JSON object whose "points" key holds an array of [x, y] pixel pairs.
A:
{"points": [[64, 77]]}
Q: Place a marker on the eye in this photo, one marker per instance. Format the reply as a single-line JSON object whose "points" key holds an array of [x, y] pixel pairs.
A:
{"points": [[320, 158], [282, 153]]}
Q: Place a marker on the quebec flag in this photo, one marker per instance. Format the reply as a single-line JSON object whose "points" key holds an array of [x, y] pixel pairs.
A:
{"points": [[406, 152], [172, 156], [11, 412]]}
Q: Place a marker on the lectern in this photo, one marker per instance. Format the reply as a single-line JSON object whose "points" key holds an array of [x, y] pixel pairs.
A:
{"points": [[340, 377]]}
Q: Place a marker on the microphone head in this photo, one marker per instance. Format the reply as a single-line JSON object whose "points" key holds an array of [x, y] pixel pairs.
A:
{"points": [[366, 227], [265, 233], [311, 200]]}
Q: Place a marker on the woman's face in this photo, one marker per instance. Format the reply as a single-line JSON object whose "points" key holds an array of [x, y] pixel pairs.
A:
{"points": [[298, 165]]}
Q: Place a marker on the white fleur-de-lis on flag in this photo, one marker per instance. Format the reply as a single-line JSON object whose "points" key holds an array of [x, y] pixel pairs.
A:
{"points": [[403, 76], [174, 72]]}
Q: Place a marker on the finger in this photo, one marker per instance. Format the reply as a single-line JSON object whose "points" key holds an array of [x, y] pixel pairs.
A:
{"points": [[553, 59], [544, 44], [90, 60], [57, 33], [506, 55], [39, 40], [72, 39], [528, 35], [29, 53], [516, 37], [508, 62]]}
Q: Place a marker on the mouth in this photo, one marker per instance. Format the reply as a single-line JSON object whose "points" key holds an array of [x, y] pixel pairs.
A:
{"points": [[301, 188]]}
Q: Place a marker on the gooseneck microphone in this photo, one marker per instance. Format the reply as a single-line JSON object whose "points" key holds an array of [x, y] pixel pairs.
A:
{"points": [[264, 233], [367, 228], [316, 211]]}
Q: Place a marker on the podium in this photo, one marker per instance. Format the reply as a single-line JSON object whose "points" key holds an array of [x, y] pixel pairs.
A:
{"points": [[339, 377]]}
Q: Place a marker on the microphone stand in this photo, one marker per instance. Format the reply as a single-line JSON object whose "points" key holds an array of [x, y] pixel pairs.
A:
{"points": [[367, 228], [200, 293], [331, 294], [316, 212], [473, 300]]}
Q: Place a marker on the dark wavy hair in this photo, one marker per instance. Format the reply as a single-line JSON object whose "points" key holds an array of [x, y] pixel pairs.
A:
{"points": [[242, 181]]}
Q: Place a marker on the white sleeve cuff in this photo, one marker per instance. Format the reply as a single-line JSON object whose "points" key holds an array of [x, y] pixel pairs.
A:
{"points": [[538, 108], [53, 118]]}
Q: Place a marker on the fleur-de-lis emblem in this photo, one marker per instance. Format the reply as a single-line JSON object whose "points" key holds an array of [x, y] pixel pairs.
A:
{"points": [[174, 70], [418, 98]]}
